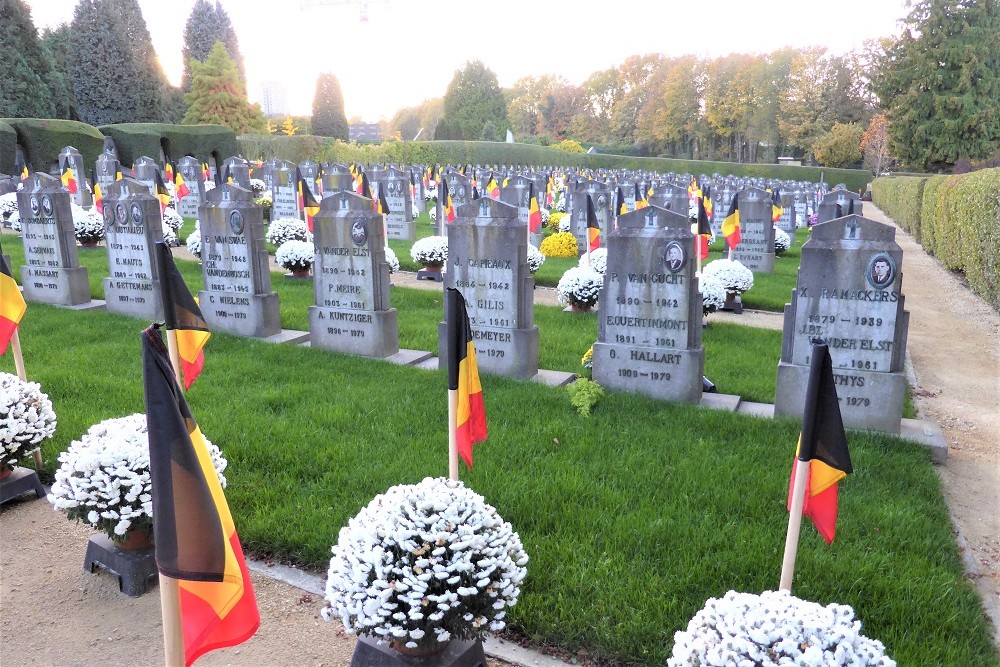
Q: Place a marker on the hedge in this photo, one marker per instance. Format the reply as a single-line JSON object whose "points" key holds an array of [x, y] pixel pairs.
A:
{"points": [[958, 222], [134, 140], [43, 139], [321, 149], [8, 148]]}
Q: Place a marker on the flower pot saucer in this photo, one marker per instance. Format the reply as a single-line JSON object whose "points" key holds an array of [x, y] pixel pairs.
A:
{"points": [[19, 482], [134, 569], [369, 653]]}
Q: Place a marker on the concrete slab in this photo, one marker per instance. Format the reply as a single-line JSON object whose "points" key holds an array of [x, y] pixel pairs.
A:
{"points": [[729, 402], [927, 433], [95, 304], [554, 378], [292, 336], [428, 364], [409, 357], [762, 410]]}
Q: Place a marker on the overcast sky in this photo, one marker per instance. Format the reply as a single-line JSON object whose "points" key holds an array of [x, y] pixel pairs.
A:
{"points": [[390, 54]]}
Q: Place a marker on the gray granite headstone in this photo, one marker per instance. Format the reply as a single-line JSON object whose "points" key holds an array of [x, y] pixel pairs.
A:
{"points": [[831, 200], [756, 248], [460, 189], [849, 295], [70, 157], [352, 312], [603, 198], [52, 271], [395, 184], [238, 169], [336, 178], [132, 226], [107, 168], [650, 310], [8, 184], [310, 172], [144, 171], [237, 297], [194, 178], [488, 263], [266, 173], [518, 194], [786, 222], [284, 191]]}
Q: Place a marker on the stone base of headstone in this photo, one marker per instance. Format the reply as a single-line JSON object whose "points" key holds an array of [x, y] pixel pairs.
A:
{"points": [[291, 336], [134, 569], [369, 653], [66, 287], [366, 333], [664, 374], [762, 410], [734, 304], [880, 409], [926, 433], [94, 304], [578, 309], [144, 305], [725, 402], [554, 378], [410, 357], [430, 274], [251, 315], [19, 482], [516, 358]]}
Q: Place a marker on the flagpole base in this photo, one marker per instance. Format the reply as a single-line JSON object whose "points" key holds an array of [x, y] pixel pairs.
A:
{"points": [[134, 569]]}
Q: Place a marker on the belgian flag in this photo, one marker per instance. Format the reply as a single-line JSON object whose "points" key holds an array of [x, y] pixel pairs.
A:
{"points": [[776, 208], [593, 228], [381, 205], [21, 167], [69, 179], [182, 315], [463, 376], [306, 200], [534, 213], [447, 205], [731, 224], [704, 229], [707, 198], [196, 540], [98, 195], [364, 187], [620, 207], [823, 443], [492, 188], [206, 172], [640, 201], [180, 187], [168, 170], [160, 190], [12, 305]]}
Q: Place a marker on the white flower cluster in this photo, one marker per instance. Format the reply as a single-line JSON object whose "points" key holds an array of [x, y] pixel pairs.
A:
{"points": [[209, 185], [88, 225], [391, 260], [170, 236], [431, 192], [559, 201], [258, 186], [565, 224], [775, 628], [782, 241], [295, 255], [535, 258], [194, 243], [425, 563], [172, 219], [282, 230], [545, 215], [8, 204], [103, 478], [432, 212], [579, 286], [713, 293], [598, 260], [732, 274], [26, 418], [430, 251]]}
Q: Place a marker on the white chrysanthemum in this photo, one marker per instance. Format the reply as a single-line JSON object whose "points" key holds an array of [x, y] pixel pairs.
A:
{"points": [[713, 293], [432, 212], [731, 273], [103, 478], [88, 224], [535, 258], [545, 215], [430, 192], [424, 563], [565, 224], [598, 260], [295, 255], [391, 260], [430, 251], [172, 219], [170, 236], [580, 287], [782, 241], [283, 230], [8, 204], [26, 418], [774, 628], [258, 186], [194, 243]]}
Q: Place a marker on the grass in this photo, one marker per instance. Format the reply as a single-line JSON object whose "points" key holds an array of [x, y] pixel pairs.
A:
{"points": [[632, 518]]}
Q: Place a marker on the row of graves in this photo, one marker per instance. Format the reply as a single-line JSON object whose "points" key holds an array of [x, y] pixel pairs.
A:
{"points": [[849, 291]]}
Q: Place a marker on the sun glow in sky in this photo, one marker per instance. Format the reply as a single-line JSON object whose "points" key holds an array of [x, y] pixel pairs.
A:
{"points": [[390, 54]]}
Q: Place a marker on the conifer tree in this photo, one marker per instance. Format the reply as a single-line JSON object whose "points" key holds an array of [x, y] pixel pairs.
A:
{"points": [[31, 85], [206, 25], [218, 96], [328, 116]]}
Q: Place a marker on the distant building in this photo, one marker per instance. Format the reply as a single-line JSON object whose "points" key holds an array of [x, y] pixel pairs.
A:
{"points": [[790, 161], [366, 132], [273, 99]]}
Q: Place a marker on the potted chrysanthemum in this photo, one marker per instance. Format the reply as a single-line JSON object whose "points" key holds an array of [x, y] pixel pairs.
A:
{"points": [[193, 242], [431, 252], [579, 288], [782, 241], [560, 244], [283, 230], [535, 259], [88, 226], [391, 260], [735, 277], [296, 256], [8, 206], [598, 260], [26, 420], [713, 293], [424, 564], [103, 480], [775, 628]]}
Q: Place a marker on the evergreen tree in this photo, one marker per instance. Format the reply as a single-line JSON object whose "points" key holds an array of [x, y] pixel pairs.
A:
{"points": [[205, 26], [940, 83], [57, 41], [474, 97], [328, 117], [218, 96], [31, 85]]}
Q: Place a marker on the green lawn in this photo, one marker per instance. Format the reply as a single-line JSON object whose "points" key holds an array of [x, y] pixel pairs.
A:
{"points": [[632, 518]]}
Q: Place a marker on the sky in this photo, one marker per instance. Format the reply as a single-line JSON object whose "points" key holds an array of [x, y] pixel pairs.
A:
{"points": [[390, 54]]}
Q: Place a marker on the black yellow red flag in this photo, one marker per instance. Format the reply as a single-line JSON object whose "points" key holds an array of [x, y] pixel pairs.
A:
{"points": [[593, 227], [534, 213], [182, 314], [731, 223], [463, 376], [704, 229], [12, 305]]}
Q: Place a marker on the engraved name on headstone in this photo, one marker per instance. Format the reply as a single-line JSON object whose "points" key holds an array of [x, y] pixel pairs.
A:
{"points": [[132, 226], [395, 184], [756, 248], [284, 192], [193, 175]]}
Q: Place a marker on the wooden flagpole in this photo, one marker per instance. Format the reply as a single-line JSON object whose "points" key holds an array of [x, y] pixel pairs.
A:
{"points": [[794, 524], [452, 434], [175, 359], [170, 609], [15, 346]]}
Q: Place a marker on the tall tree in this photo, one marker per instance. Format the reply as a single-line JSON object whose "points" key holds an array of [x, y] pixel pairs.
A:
{"points": [[473, 98], [57, 41], [206, 25], [940, 83], [31, 84], [840, 147], [670, 118], [328, 117], [218, 96]]}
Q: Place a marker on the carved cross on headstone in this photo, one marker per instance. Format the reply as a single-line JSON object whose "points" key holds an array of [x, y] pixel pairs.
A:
{"points": [[852, 229], [650, 219]]}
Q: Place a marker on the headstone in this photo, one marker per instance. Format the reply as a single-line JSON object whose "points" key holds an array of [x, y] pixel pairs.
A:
{"points": [[144, 171], [650, 310], [800, 206], [352, 312], [239, 170], [107, 168], [786, 222], [336, 178], [849, 295], [518, 194], [284, 192], [132, 226], [52, 271], [395, 184], [756, 248], [603, 204], [488, 263], [237, 297], [109, 149], [266, 173], [848, 201], [8, 184], [194, 178], [670, 197], [460, 189], [70, 157]]}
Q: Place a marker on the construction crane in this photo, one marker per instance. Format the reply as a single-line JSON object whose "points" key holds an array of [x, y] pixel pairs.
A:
{"points": [[362, 5]]}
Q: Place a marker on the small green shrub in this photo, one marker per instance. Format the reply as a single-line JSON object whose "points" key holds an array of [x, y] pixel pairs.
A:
{"points": [[584, 394]]}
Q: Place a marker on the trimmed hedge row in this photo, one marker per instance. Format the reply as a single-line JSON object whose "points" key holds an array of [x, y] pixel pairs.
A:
{"points": [[134, 140], [321, 149], [955, 218], [42, 139], [8, 146]]}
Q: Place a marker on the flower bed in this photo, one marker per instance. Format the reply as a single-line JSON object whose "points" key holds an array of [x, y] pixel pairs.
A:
{"points": [[26, 418], [579, 287], [430, 251], [295, 256]]}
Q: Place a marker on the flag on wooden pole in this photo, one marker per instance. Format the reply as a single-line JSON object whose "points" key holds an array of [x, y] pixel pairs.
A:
{"points": [[182, 315], [731, 223], [704, 230], [447, 205], [593, 227], [69, 179], [534, 213], [469, 421], [12, 305], [196, 542]]}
